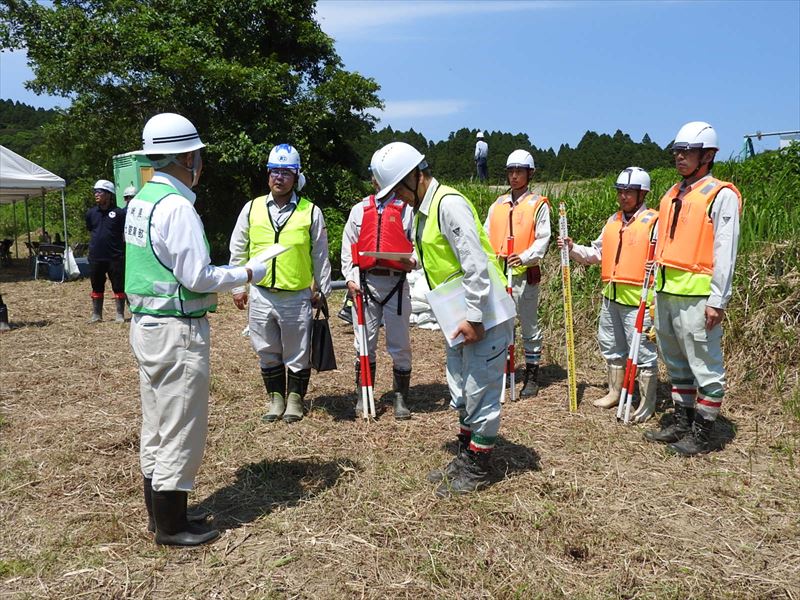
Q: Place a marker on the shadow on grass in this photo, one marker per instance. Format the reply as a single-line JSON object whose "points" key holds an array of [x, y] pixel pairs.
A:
{"points": [[261, 487], [425, 398], [508, 458], [22, 324], [551, 373]]}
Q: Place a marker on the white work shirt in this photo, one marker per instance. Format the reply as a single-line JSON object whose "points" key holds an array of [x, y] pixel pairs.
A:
{"points": [[457, 224], [536, 251], [352, 231], [240, 239], [481, 150], [177, 238]]}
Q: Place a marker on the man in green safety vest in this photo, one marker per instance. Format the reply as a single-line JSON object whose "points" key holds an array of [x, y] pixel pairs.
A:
{"points": [[170, 284], [450, 241], [281, 301]]}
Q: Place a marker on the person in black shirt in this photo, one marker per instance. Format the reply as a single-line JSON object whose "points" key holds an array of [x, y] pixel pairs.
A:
{"points": [[106, 224]]}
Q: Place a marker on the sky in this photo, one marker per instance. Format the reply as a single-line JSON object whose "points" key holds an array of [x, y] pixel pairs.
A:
{"points": [[555, 69]]}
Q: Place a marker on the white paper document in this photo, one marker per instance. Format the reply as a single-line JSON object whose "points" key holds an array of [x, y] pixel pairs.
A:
{"points": [[388, 255], [270, 253], [449, 304]]}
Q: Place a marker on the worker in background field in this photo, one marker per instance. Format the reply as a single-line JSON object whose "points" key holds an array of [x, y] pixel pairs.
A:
{"points": [[450, 241], [698, 235], [105, 223], [128, 194], [481, 157], [382, 225], [526, 216], [621, 249], [170, 283], [281, 301]]}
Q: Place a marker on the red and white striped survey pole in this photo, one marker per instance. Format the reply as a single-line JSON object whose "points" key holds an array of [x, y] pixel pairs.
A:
{"points": [[360, 331], [632, 364]]}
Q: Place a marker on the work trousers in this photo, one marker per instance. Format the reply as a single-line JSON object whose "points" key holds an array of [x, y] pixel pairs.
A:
{"points": [[280, 327], [615, 332], [692, 354], [475, 379], [398, 336], [173, 356], [114, 269], [526, 299]]}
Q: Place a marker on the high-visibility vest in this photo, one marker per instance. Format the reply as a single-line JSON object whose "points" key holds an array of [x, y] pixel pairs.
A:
{"points": [[438, 260], [151, 288], [383, 232], [625, 247], [523, 222], [685, 247], [292, 270]]}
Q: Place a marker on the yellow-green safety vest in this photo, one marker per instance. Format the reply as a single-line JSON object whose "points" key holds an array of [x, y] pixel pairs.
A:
{"points": [[151, 287], [293, 270], [438, 260]]}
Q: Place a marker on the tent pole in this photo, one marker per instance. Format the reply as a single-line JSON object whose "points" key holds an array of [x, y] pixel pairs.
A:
{"points": [[64, 217], [43, 217], [16, 233], [27, 220]]}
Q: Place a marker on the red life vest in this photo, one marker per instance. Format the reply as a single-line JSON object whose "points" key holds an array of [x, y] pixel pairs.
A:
{"points": [[383, 232], [625, 247]]}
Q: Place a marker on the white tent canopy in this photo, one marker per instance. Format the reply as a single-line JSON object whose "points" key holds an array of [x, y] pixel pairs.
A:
{"points": [[21, 179]]}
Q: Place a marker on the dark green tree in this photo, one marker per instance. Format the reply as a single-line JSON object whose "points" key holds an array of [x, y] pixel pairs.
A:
{"points": [[248, 73]]}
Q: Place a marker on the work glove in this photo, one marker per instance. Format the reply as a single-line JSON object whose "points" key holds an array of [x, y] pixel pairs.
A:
{"points": [[258, 268]]}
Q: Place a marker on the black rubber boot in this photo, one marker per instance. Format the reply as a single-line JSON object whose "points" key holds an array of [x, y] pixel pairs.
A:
{"points": [[172, 526], [275, 382], [120, 306], [296, 386], [194, 516], [437, 475], [97, 310], [472, 474], [697, 442], [402, 381], [679, 428], [359, 400], [4, 326], [530, 386]]}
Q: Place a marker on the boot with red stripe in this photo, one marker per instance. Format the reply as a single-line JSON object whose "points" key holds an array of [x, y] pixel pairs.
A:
{"points": [[680, 427], [698, 441]]}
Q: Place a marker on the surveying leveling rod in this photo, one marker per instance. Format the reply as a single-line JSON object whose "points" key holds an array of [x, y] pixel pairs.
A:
{"points": [[360, 330], [567, 287]]}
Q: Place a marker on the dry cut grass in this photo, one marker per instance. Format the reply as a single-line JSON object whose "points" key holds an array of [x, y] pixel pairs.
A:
{"points": [[330, 508]]}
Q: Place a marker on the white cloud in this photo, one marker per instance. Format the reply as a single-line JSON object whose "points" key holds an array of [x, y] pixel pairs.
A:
{"points": [[418, 109], [342, 18]]}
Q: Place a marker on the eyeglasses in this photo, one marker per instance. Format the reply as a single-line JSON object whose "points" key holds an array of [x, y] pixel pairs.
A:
{"points": [[281, 173]]}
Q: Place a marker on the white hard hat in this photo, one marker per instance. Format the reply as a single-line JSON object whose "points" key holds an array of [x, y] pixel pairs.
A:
{"points": [[697, 134], [168, 133], [129, 191], [105, 185], [393, 162], [480, 135], [633, 178], [301, 182], [284, 156], [520, 158]]}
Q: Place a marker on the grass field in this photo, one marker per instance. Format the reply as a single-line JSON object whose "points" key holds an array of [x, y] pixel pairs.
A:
{"points": [[580, 507]]}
